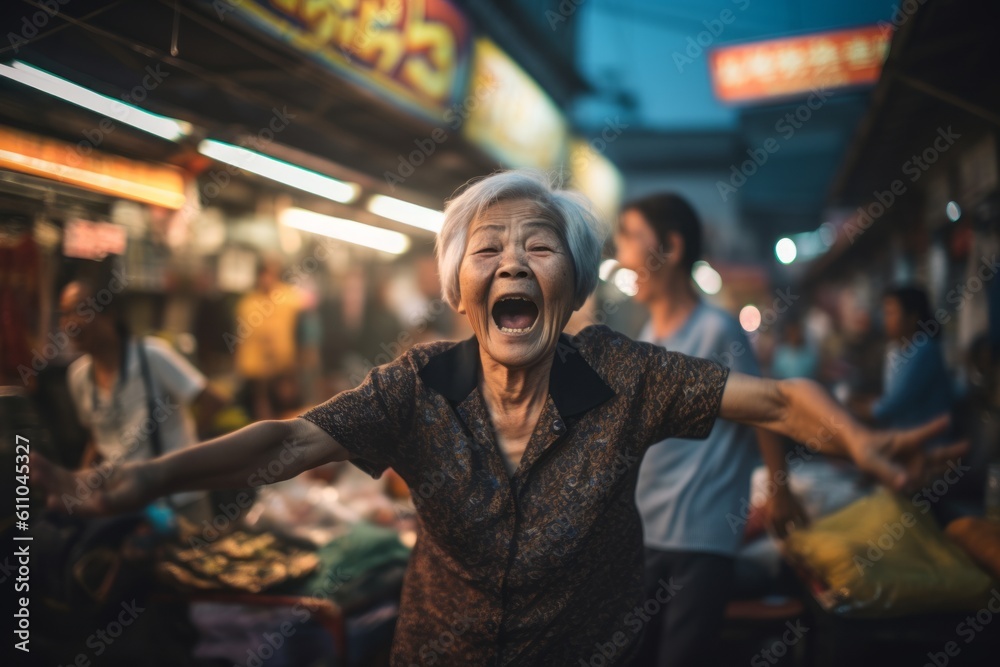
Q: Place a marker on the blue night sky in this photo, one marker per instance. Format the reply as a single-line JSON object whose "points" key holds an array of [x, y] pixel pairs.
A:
{"points": [[629, 45]]}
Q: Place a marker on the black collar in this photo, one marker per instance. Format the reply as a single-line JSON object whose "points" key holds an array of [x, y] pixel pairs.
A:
{"points": [[575, 386]]}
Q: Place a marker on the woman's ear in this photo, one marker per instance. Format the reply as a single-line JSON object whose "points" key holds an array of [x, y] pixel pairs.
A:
{"points": [[673, 250]]}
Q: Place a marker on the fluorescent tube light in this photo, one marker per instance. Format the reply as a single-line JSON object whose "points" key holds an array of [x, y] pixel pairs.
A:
{"points": [[117, 110], [407, 213], [346, 230], [282, 172]]}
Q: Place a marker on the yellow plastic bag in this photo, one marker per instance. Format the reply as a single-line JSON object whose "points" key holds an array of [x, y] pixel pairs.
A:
{"points": [[883, 556]]}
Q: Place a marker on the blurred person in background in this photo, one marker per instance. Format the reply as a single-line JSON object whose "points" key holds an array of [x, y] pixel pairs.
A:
{"points": [[308, 339], [439, 322], [916, 381], [916, 384], [267, 320], [794, 356], [529, 442], [687, 488], [120, 379], [977, 414], [852, 351], [360, 330]]}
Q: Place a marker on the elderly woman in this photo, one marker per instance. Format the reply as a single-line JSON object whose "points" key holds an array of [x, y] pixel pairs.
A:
{"points": [[521, 444]]}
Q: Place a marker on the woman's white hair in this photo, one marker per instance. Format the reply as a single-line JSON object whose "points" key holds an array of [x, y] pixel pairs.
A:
{"points": [[573, 214]]}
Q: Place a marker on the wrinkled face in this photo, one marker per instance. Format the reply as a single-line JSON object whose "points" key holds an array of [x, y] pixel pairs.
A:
{"points": [[516, 281]]}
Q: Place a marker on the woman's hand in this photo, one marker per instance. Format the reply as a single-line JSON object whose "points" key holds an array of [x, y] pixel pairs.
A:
{"points": [[264, 452], [899, 459], [805, 412], [105, 489]]}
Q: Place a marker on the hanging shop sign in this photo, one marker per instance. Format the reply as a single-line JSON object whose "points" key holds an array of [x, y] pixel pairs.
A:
{"points": [[798, 65], [92, 170], [596, 176], [414, 53], [93, 240], [509, 115]]}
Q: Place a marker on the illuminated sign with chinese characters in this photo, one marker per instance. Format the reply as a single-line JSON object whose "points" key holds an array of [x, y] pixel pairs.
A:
{"points": [[797, 65], [516, 121], [413, 52], [93, 240]]}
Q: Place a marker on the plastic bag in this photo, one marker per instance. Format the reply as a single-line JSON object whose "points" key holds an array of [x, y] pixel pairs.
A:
{"points": [[884, 556]]}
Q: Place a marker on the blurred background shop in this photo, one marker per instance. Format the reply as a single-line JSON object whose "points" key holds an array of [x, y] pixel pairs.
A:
{"points": [[260, 183]]}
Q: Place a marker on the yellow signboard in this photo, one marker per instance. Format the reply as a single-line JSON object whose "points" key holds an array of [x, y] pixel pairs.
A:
{"points": [[597, 177], [411, 51], [518, 123], [92, 170]]}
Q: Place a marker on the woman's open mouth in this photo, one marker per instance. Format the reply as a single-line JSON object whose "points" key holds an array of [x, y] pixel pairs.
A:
{"points": [[515, 314]]}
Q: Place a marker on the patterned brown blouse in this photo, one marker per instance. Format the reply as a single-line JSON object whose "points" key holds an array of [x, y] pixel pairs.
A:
{"points": [[545, 567]]}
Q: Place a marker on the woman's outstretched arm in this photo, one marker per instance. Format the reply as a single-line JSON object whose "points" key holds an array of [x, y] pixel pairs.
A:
{"points": [[805, 412], [261, 453]]}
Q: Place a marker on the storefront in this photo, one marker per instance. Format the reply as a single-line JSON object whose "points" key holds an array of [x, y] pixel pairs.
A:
{"points": [[194, 143], [919, 202], [63, 205], [286, 123]]}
